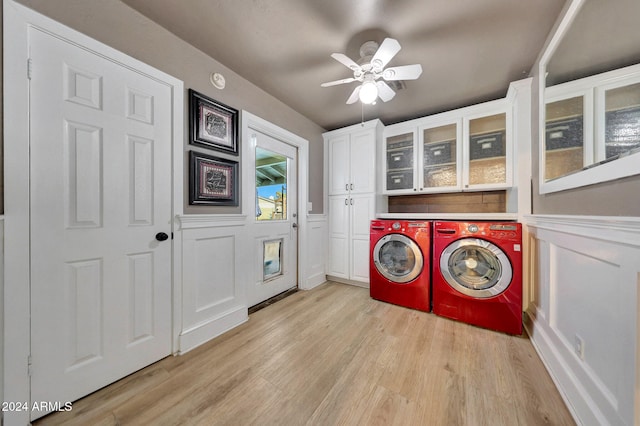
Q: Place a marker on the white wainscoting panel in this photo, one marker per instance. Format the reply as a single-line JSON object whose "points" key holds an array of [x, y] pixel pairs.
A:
{"points": [[316, 251], [583, 312], [213, 276]]}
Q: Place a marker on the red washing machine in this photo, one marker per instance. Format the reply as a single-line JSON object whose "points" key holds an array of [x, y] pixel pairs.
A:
{"points": [[399, 262], [477, 274]]}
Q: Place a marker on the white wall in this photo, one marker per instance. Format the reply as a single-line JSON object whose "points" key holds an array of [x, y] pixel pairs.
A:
{"points": [[584, 274]]}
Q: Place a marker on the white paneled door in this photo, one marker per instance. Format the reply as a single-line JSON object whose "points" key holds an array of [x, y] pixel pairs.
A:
{"points": [[100, 220]]}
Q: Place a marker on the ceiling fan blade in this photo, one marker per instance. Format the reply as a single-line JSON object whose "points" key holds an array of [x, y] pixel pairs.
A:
{"points": [[385, 92], [336, 82], [404, 72], [385, 53], [346, 61], [354, 95]]}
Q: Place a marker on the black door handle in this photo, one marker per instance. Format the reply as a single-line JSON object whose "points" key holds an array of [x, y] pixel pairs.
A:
{"points": [[161, 236]]}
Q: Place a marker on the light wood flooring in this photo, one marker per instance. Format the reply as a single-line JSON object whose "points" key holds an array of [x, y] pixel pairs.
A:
{"points": [[334, 356]]}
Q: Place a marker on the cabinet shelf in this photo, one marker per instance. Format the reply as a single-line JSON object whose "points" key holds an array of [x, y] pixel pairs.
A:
{"points": [[488, 159], [434, 166], [449, 140], [402, 148]]}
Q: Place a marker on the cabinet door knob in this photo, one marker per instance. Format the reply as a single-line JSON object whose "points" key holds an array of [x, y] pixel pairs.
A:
{"points": [[346, 201], [346, 186], [351, 201], [351, 187]]}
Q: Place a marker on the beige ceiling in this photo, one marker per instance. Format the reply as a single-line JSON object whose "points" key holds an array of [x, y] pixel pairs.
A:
{"points": [[470, 50]]}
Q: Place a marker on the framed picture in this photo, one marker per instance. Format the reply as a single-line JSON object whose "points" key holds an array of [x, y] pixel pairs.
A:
{"points": [[212, 180], [213, 125]]}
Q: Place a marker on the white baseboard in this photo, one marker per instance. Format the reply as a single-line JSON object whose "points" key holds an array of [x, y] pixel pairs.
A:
{"points": [[201, 333]]}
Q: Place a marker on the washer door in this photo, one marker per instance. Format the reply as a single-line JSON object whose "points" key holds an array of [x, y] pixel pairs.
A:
{"points": [[398, 258], [476, 267]]}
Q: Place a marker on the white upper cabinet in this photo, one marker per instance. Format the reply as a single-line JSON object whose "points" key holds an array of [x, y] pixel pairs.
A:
{"points": [[352, 159], [487, 151], [441, 155], [399, 159], [339, 154], [592, 130], [462, 150]]}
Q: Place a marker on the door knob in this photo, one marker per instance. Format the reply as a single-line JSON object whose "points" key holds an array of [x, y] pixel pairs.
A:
{"points": [[161, 236], [295, 225]]}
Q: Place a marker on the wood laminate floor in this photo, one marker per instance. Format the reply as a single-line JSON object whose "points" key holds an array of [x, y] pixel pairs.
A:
{"points": [[334, 356]]}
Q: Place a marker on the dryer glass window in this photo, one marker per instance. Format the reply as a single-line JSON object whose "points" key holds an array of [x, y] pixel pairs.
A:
{"points": [[475, 267], [397, 258]]}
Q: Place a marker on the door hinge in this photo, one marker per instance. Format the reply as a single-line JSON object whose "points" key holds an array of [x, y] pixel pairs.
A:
{"points": [[29, 366], [29, 68]]}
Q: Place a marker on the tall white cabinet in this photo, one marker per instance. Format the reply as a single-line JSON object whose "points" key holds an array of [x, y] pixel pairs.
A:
{"points": [[352, 181]]}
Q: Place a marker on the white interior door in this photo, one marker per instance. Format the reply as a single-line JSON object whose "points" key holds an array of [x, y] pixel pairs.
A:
{"points": [[275, 226], [100, 194]]}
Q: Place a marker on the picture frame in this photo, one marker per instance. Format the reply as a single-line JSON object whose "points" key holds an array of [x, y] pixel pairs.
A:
{"points": [[213, 124], [212, 180]]}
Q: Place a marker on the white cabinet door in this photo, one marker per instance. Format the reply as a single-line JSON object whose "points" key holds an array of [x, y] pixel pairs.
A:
{"points": [[338, 237], [339, 165], [487, 151], [362, 210], [363, 162]]}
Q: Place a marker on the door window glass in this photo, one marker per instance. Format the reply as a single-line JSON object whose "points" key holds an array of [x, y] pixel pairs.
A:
{"points": [[271, 185]]}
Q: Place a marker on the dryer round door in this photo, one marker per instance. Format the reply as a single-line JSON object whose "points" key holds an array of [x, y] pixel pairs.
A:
{"points": [[398, 258], [476, 267]]}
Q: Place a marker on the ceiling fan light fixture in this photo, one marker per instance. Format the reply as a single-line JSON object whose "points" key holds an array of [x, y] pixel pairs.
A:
{"points": [[368, 92]]}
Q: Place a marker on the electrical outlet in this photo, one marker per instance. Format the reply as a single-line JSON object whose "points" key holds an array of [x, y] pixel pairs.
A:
{"points": [[578, 345]]}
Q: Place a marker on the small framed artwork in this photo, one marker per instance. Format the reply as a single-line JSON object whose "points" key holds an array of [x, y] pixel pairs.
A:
{"points": [[212, 124], [212, 181]]}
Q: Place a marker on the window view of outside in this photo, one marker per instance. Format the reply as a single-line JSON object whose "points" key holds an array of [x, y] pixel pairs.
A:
{"points": [[271, 185]]}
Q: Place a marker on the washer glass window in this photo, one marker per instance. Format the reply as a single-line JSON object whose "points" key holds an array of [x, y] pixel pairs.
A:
{"points": [[398, 258], [476, 268]]}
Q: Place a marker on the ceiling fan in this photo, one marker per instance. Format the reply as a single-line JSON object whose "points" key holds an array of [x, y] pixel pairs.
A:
{"points": [[370, 68]]}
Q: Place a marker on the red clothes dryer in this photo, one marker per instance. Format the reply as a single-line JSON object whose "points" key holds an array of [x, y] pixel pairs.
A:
{"points": [[400, 263], [477, 274]]}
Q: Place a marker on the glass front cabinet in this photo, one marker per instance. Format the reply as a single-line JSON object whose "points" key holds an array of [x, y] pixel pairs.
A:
{"points": [[462, 150], [400, 159]]}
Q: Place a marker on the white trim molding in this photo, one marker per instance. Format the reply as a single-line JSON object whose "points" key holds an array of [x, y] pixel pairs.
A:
{"points": [[583, 316]]}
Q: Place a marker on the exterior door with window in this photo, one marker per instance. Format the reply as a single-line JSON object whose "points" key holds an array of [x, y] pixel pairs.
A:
{"points": [[275, 225]]}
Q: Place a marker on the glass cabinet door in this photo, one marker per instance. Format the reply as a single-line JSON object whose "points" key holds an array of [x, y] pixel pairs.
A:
{"points": [[621, 122], [564, 137], [399, 152], [439, 156], [487, 150]]}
